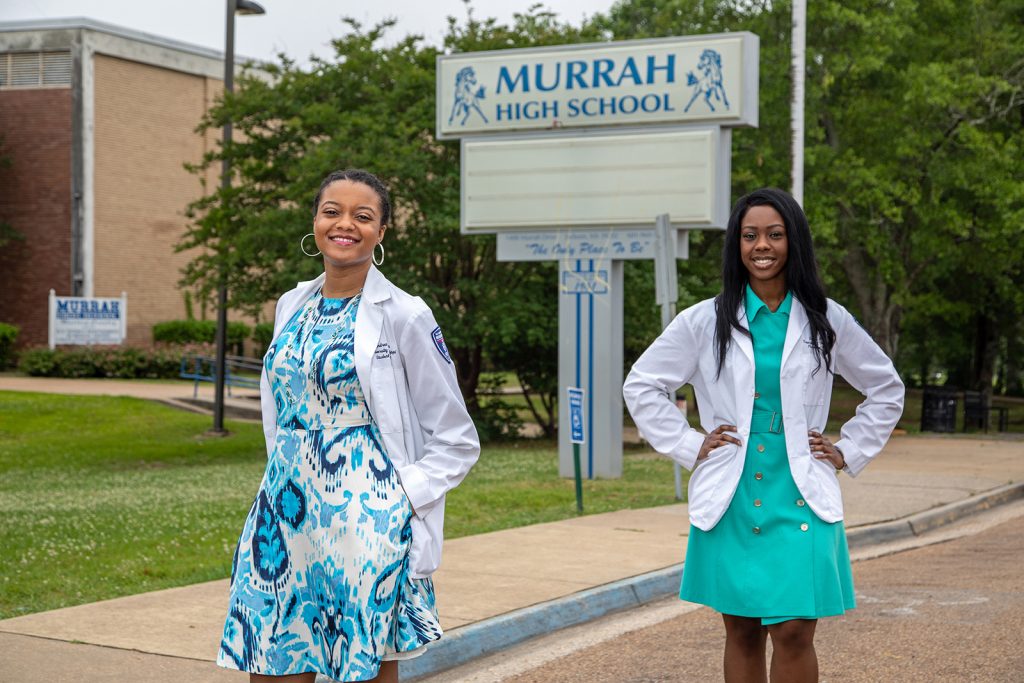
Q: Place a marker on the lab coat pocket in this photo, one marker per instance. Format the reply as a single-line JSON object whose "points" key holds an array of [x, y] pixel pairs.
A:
{"points": [[708, 475], [816, 416], [388, 414], [425, 553], [823, 492]]}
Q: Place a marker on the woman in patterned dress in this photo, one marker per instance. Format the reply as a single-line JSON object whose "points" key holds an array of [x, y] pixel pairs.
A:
{"points": [[767, 546], [366, 431]]}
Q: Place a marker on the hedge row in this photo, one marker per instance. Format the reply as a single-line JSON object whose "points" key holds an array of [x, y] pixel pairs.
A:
{"points": [[205, 331], [8, 335], [263, 334], [108, 361], [198, 332]]}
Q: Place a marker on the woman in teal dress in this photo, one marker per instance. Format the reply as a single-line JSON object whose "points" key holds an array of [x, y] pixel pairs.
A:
{"points": [[767, 547]]}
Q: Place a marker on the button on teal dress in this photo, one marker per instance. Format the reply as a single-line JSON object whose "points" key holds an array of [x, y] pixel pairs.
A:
{"points": [[770, 556]]}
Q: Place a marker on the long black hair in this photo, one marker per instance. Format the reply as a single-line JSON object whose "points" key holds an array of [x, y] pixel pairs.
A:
{"points": [[802, 278]]}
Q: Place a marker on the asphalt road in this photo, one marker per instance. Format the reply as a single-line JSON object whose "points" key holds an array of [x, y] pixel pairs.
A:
{"points": [[953, 611]]}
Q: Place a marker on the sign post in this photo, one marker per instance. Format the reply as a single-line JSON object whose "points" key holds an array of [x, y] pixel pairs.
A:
{"points": [[577, 435]]}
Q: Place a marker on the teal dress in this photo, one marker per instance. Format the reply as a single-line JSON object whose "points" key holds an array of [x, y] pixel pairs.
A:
{"points": [[770, 556]]}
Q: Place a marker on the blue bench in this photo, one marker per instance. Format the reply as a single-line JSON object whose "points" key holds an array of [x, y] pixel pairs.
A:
{"points": [[204, 369]]}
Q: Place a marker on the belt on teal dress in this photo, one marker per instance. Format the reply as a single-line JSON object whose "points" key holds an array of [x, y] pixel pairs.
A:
{"points": [[766, 421]]}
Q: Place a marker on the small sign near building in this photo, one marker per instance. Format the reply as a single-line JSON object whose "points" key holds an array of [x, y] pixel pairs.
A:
{"points": [[87, 320]]}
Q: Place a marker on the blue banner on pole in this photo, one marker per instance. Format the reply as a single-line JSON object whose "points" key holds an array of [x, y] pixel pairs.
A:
{"points": [[576, 415]]}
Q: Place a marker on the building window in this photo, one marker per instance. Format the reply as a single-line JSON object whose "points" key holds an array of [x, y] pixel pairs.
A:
{"points": [[35, 69]]}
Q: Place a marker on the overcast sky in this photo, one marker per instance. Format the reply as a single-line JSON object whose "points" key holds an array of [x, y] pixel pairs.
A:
{"points": [[296, 27]]}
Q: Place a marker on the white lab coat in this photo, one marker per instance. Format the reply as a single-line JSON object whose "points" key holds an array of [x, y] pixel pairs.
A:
{"points": [[410, 387], [685, 353]]}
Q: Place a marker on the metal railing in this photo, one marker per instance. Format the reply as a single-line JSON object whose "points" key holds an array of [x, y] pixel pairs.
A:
{"points": [[238, 371]]}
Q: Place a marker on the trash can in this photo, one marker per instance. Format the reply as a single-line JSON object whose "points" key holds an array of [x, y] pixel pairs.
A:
{"points": [[938, 409]]}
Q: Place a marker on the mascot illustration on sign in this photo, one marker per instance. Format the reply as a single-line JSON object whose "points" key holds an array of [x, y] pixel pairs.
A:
{"points": [[709, 84], [467, 96]]}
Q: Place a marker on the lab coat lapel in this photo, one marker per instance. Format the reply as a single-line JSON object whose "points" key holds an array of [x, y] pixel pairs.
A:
{"points": [[795, 330], [369, 324], [741, 340], [743, 373]]}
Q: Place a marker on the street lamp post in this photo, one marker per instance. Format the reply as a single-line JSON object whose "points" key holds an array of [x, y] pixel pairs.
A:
{"points": [[799, 49], [233, 7]]}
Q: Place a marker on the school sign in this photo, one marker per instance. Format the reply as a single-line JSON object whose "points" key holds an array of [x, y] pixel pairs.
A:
{"points": [[574, 153], [87, 320], [667, 81]]}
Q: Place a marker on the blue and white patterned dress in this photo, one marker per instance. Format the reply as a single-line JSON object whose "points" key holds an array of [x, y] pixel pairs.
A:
{"points": [[320, 579]]}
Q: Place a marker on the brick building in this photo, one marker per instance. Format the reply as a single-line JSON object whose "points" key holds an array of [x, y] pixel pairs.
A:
{"points": [[97, 123]]}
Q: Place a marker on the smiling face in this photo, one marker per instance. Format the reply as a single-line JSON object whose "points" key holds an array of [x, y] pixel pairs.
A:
{"points": [[347, 225], [764, 246]]}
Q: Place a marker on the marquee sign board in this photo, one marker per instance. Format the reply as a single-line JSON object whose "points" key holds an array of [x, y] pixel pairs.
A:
{"points": [[596, 179], [698, 79]]}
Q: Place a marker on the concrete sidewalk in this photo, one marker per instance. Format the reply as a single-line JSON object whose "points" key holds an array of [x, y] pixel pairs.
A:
{"points": [[490, 585], [241, 404]]}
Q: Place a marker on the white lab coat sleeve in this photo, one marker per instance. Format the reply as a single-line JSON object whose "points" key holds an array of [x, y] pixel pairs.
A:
{"points": [[866, 367], [450, 442], [667, 364]]}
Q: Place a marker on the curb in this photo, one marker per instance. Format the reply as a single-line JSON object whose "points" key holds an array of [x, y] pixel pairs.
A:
{"points": [[501, 632], [929, 520], [498, 633], [201, 406]]}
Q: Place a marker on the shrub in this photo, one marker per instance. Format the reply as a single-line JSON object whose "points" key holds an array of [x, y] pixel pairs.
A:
{"points": [[200, 332], [108, 361], [185, 331], [8, 335], [263, 334], [39, 362], [496, 419]]}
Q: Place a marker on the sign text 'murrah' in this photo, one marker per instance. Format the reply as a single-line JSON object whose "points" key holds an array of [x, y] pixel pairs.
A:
{"points": [[676, 80]]}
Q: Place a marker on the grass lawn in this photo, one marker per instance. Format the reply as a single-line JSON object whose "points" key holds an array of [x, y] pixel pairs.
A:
{"points": [[103, 496]]}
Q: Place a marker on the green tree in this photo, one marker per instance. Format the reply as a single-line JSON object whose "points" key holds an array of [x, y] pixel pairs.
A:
{"points": [[913, 159], [372, 107]]}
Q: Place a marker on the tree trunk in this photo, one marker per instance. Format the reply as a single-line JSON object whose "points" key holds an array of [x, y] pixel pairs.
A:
{"points": [[879, 315], [986, 344], [1014, 371], [468, 362]]}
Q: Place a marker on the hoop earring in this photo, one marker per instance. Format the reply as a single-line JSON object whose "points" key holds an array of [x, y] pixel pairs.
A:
{"points": [[374, 256], [302, 244]]}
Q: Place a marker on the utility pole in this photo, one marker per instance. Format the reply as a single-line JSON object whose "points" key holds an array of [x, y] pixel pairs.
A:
{"points": [[220, 340]]}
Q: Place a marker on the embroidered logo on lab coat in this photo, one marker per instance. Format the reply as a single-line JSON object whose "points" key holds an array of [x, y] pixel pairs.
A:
{"points": [[384, 351], [439, 343]]}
